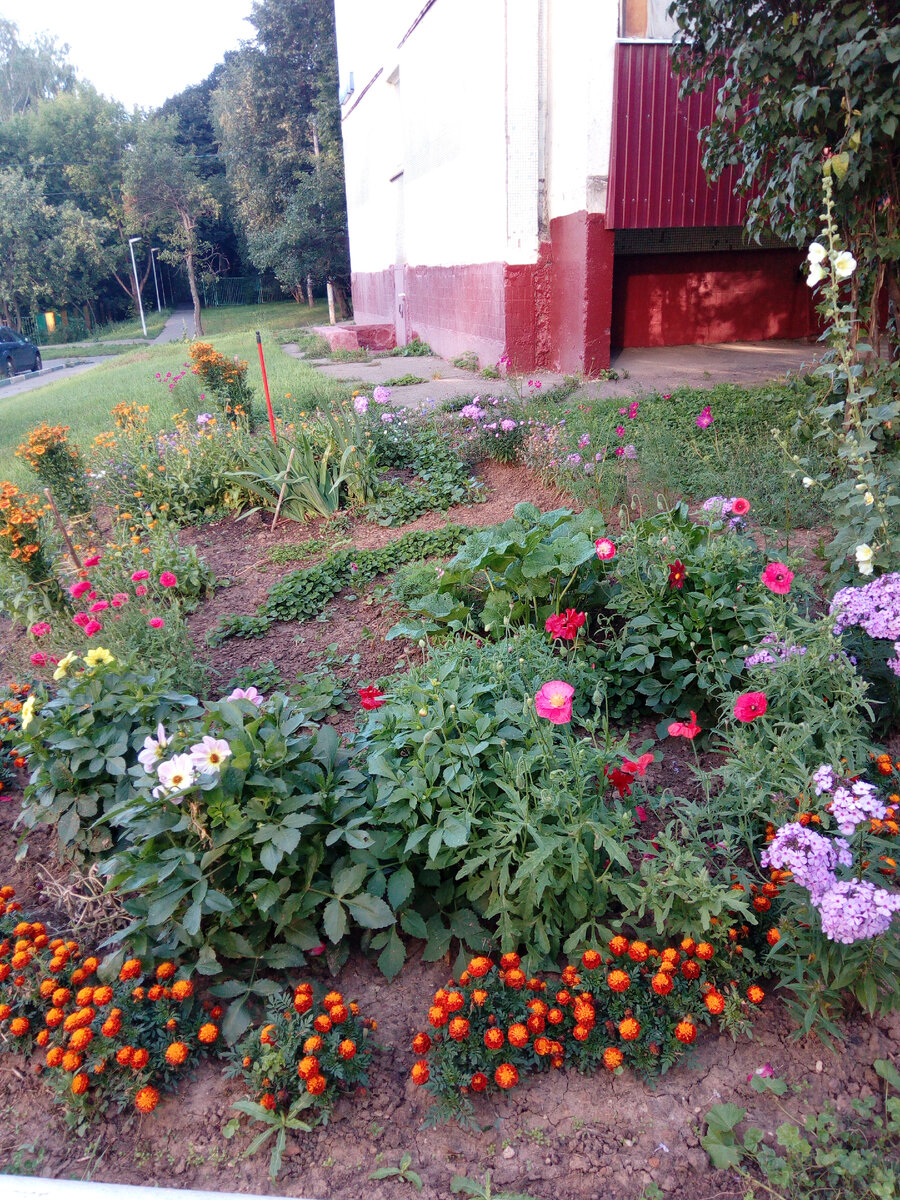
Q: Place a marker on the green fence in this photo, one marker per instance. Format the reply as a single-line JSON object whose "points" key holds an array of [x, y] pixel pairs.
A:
{"points": [[240, 290]]}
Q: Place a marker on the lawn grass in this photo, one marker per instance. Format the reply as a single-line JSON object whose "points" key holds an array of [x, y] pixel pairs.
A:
{"points": [[94, 350], [83, 402], [281, 315]]}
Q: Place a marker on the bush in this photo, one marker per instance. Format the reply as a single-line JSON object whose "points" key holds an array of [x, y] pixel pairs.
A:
{"points": [[28, 579], [224, 378], [58, 466]]}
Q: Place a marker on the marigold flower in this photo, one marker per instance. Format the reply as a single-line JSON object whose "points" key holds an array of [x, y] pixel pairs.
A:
{"points": [[584, 1013], [479, 966], [19, 1026], [331, 999], [55, 1056], [207, 1033], [72, 1060], [515, 979], [182, 989], [618, 981], [773, 936], [267, 1101], [555, 1016], [102, 996], [43, 1037], [715, 1003], [612, 1058], [619, 945], [581, 1033], [543, 1046], [303, 1002], [347, 1048], [437, 1016], [307, 1067], [81, 1039], [111, 1026], [146, 1099], [140, 1058], [662, 983], [705, 950], [536, 1023], [591, 960], [80, 1084], [686, 1031], [479, 1082], [506, 1075], [130, 969], [165, 971], [494, 1038], [420, 1072], [629, 1029], [688, 945], [517, 1035], [421, 1043], [638, 952], [312, 1045], [755, 993], [265, 1035], [176, 1053]]}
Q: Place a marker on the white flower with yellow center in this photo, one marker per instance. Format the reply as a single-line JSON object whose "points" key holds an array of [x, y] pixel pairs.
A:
{"points": [[208, 756], [844, 265], [816, 274], [864, 556], [816, 253], [176, 775]]}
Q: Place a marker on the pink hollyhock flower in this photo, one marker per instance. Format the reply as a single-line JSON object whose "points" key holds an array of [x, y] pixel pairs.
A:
{"points": [[778, 578], [140, 590], [605, 549], [554, 702], [38, 659], [91, 628], [685, 729], [137, 576], [167, 579], [92, 562], [638, 768], [77, 590], [749, 706], [156, 623], [371, 698], [40, 629], [705, 419], [81, 619], [740, 507], [99, 606]]}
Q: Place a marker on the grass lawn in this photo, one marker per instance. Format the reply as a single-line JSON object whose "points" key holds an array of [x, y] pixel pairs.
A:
{"points": [[285, 314], [94, 350], [83, 402]]}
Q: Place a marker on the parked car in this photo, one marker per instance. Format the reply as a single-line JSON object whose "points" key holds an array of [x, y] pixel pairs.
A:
{"points": [[17, 353]]}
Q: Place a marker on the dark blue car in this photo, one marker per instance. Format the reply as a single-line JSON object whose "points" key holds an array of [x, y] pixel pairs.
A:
{"points": [[17, 353]]}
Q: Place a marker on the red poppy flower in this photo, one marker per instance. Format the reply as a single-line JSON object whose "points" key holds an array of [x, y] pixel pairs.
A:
{"points": [[685, 729], [640, 767], [565, 625], [677, 574], [621, 780], [778, 578], [740, 507], [371, 697], [749, 706]]}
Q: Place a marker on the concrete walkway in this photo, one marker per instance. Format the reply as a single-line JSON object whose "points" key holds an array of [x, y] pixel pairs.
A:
{"points": [[180, 323]]}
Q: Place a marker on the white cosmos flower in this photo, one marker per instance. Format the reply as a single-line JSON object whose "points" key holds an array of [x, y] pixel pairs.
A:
{"points": [[816, 253], [209, 755], [844, 264], [816, 274], [176, 775]]}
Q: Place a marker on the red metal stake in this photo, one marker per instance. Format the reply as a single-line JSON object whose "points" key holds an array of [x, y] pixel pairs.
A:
{"points": [[262, 363]]}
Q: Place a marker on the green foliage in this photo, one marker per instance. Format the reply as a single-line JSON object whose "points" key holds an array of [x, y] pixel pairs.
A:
{"points": [[851, 1155], [467, 361], [406, 380], [310, 480], [403, 1170], [481, 1189], [420, 446], [80, 745], [265, 677], [298, 552], [414, 348], [260, 858]]}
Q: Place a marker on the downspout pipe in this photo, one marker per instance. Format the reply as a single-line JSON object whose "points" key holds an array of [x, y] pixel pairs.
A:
{"points": [[29, 1187]]}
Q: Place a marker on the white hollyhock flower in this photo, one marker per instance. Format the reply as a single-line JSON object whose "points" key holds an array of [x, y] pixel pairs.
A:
{"points": [[807, 482], [816, 253], [816, 274], [868, 498], [844, 264]]}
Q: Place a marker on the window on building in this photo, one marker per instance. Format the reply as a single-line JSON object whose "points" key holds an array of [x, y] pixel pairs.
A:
{"points": [[647, 19]]}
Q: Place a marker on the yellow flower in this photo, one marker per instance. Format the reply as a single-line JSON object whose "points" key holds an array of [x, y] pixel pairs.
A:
{"points": [[28, 712], [64, 664], [94, 657]]}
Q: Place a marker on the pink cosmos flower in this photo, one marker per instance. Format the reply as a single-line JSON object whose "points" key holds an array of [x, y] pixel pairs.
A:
{"points": [[740, 507], [140, 590], [156, 623], [38, 659], [137, 576], [705, 419], [81, 619], [685, 729], [77, 590], [605, 549], [620, 430], [749, 706], [167, 579], [91, 628], [554, 702], [99, 606], [778, 578], [92, 562], [40, 629]]}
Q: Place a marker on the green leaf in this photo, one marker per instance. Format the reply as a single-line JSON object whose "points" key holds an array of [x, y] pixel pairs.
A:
{"points": [[235, 1023], [350, 879], [888, 1072], [369, 911], [414, 925], [334, 921], [399, 886], [392, 957]]}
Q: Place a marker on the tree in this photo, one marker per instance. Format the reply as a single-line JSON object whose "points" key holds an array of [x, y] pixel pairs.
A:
{"points": [[278, 119], [802, 81], [163, 184], [30, 72]]}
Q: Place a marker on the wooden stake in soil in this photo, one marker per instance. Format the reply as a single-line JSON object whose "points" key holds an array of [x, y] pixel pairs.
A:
{"points": [[62, 529], [287, 471]]}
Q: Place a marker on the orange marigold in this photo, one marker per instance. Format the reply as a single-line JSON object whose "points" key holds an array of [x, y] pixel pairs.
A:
{"points": [[102, 996], [182, 989], [307, 1067], [686, 1031], [165, 970], [688, 945], [55, 1056], [619, 945], [494, 1039], [61, 997], [542, 1046], [773, 936], [555, 1016], [72, 1061], [591, 960], [130, 969], [331, 999], [517, 1035], [140, 1058], [715, 1002], [506, 1075], [421, 1043], [458, 1029], [176, 1053], [80, 1084], [662, 983], [265, 1035], [705, 950], [123, 1056], [479, 966], [612, 1058], [19, 1026], [509, 962], [618, 981], [437, 1016], [347, 1048], [267, 1101], [581, 1033], [629, 1029], [478, 1082], [420, 1072], [81, 1039], [312, 1045], [146, 1099], [638, 952], [755, 993], [690, 969], [208, 1033], [479, 995]]}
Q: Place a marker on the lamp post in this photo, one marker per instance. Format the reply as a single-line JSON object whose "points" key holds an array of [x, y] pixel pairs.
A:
{"points": [[137, 286], [155, 250]]}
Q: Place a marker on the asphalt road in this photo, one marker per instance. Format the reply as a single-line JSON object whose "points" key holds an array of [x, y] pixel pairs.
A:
{"points": [[29, 381]]}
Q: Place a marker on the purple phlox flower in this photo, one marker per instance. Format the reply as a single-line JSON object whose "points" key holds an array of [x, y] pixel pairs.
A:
{"points": [[584, 440], [705, 419], [387, 418], [600, 455], [573, 460], [718, 505], [204, 418], [810, 857], [471, 412], [381, 395], [629, 451], [589, 468], [856, 910], [875, 608], [823, 779], [853, 804], [507, 425], [766, 657], [361, 405]]}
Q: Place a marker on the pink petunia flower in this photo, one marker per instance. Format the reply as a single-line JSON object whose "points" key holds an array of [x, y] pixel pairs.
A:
{"points": [[778, 578], [92, 562], [81, 618], [38, 659], [40, 629], [99, 606], [119, 598], [554, 702]]}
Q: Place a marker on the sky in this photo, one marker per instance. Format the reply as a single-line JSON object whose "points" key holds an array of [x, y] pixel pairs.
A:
{"points": [[139, 54]]}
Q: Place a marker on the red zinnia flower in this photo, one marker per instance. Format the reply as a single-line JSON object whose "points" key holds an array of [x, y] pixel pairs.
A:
{"points": [[167, 579], [371, 697], [749, 706], [677, 574]]}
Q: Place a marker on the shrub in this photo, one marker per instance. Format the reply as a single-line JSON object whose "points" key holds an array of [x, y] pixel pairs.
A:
{"points": [[225, 379], [31, 588], [58, 465], [304, 1056], [636, 1007], [81, 743], [496, 431], [245, 837]]}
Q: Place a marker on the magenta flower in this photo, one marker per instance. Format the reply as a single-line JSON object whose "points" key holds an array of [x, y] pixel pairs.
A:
{"points": [[81, 619], [778, 578], [99, 606], [40, 629], [39, 659], [91, 628], [705, 419], [554, 702], [78, 589], [168, 580], [93, 561], [141, 590], [139, 575], [749, 706], [156, 622], [620, 430], [605, 549]]}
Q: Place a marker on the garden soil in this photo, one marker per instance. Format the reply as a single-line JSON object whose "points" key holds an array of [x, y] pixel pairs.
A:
{"points": [[560, 1136]]}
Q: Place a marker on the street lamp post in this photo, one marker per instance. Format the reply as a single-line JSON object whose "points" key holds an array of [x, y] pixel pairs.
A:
{"points": [[155, 250], [137, 286]]}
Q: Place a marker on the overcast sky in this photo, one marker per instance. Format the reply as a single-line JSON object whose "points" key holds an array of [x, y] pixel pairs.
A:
{"points": [[138, 53]]}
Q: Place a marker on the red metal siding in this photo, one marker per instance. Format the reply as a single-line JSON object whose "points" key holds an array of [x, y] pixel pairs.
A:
{"points": [[656, 180]]}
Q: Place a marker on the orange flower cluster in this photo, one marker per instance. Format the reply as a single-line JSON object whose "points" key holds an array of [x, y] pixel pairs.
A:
{"points": [[130, 416], [100, 1044], [634, 1006], [20, 539], [46, 439], [306, 1049]]}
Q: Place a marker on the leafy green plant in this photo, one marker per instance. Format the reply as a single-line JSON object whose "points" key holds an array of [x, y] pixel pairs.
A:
{"points": [[415, 348], [481, 1189], [265, 677], [420, 445], [311, 479], [467, 361], [403, 1171], [406, 380]]}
